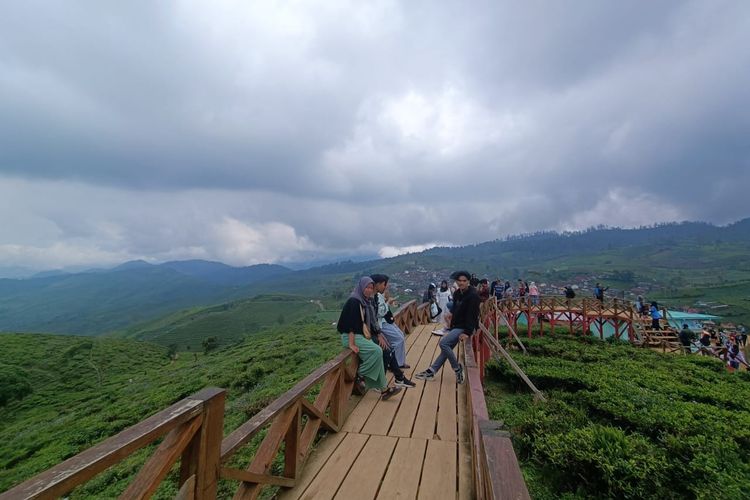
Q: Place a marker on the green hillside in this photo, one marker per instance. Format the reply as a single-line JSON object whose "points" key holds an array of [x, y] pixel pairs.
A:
{"points": [[228, 323], [82, 390], [624, 422]]}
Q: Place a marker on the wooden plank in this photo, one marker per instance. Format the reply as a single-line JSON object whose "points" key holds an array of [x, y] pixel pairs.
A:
{"points": [[424, 422], [464, 422], [252, 477], [267, 452], [502, 468], [315, 461], [403, 422], [439, 471], [157, 467], [187, 491], [465, 473], [364, 478], [382, 416], [328, 480], [246, 431], [447, 417], [357, 418], [403, 474]]}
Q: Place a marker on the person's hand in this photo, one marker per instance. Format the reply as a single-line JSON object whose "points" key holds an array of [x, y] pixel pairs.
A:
{"points": [[447, 316], [463, 337], [354, 348], [383, 342]]}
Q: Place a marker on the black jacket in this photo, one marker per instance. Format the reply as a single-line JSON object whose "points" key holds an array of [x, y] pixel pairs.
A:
{"points": [[466, 310]]}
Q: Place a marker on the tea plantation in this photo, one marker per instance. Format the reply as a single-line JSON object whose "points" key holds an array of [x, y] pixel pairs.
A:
{"points": [[60, 395], [624, 422]]}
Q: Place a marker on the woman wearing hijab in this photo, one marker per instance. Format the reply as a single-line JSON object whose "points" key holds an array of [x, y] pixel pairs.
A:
{"points": [[355, 334]]}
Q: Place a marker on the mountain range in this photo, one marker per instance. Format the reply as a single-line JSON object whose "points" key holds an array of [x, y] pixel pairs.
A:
{"points": [[681, 255]]}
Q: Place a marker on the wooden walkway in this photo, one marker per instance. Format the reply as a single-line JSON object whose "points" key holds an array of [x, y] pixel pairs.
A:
{"points": [[415, 445]]}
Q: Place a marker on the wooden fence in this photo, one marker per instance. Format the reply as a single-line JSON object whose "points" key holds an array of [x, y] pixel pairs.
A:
{"points": [[193, 427]]}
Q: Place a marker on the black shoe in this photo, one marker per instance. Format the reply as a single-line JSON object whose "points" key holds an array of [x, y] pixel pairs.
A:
{"points": [[405, 383], [425, 375], [389, 393], [460, 374]]}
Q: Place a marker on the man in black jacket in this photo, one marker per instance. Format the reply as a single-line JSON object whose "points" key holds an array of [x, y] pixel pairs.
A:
{"points": [[463, 321]]}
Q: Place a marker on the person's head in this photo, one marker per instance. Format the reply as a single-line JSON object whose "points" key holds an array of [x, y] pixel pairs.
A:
{"points": [[684, 326], [364, 289], [443, 286], [654, 304], [462, 279], [432, 286], [380, 281], [597, 285]]}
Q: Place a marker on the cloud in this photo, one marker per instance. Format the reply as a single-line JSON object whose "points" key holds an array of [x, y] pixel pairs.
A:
{"points": [[292, 130]]}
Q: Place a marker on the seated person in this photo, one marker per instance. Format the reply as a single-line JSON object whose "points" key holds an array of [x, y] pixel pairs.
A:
{"points": [[353, 325]]}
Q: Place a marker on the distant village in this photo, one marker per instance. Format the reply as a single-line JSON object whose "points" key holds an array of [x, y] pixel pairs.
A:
{"points": [[411, 284]]}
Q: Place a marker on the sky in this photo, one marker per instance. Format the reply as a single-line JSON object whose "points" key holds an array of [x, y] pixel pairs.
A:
{"points": [[289, 131]]}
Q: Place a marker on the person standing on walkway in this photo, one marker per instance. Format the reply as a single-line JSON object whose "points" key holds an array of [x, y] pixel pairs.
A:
{"points": [[655, 316], [463, 321], [353, 325], [599, 292], [686, 338], [443, 298]]}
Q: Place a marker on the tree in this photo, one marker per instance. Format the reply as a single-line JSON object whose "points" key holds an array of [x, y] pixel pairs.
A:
{"points": [[209, 344]]}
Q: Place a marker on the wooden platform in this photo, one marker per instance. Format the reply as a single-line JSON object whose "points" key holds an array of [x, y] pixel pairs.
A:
{"points": [[415, 445]]}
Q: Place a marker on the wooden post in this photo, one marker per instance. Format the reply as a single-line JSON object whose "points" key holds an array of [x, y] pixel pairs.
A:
{"points": [[201, 457]]}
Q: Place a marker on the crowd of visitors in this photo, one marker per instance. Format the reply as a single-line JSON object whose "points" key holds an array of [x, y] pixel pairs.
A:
{"points": [[367, 326]]}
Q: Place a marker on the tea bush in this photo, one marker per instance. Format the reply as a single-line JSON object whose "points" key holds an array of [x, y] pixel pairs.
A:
{"points": [[624, 422]]}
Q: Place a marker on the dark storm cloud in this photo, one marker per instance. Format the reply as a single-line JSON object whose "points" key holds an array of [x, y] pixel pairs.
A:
{"points": [[230, 127]]}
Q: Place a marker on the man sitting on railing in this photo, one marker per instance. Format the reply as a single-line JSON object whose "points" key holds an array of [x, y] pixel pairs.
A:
{"points": [[463, 321]]}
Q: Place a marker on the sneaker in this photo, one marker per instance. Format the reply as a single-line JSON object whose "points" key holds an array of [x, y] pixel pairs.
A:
{"points": [[389, 393], [406, 383], [425, 375], [439, 333], [460, 374]]}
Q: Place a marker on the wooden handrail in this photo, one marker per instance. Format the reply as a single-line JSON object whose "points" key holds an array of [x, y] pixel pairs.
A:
{"points": [[193, 430], [497, 474]]}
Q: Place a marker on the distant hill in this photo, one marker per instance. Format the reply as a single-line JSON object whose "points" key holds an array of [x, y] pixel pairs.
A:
{"points": [[96, 302], [681, 257], [228, 323]]}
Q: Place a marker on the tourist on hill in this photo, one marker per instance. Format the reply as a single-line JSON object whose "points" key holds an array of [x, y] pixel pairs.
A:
{"points": [[484, 289], [497, 292], [655, 316], [521, 289], [443, 299], [705, 338], [735, 357], [640, 305], [686, 338], [463, 321], [569, 292], [429, 294], [354, 327], [534, 293], [599, 292], [393, 334], [742, 337], [507, 290]]}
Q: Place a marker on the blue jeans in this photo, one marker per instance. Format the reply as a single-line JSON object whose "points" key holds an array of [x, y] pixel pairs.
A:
{"points": [[395, 338], [447, 343]]}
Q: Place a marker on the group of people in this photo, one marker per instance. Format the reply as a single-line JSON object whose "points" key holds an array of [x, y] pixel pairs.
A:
{"points": [[731, 345], [367, 327]]}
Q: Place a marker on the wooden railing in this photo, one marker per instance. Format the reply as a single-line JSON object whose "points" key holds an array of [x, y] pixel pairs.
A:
{"points": [[192, 430], [193, 427], [497, 474]]}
